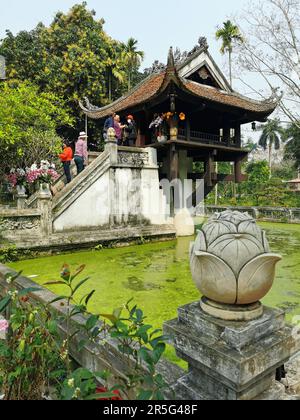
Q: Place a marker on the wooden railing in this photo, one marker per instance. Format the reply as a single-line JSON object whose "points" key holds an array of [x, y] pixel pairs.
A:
{"points": [[207, 138]]}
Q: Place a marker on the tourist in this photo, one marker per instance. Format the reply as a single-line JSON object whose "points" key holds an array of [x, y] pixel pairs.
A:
{"points": [[81, 153], [66, 158], [118, 129], [109, 123], [130, 132], [155, 126]]}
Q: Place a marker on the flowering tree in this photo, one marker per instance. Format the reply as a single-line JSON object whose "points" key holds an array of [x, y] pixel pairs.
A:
{"points": [[29, 121]]}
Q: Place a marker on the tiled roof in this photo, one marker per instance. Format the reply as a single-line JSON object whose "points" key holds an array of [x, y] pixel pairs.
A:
{"points": [[232, 99], [152, 85], [139, 95]]}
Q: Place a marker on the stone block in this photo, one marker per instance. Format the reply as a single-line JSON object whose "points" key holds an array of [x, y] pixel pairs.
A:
{"points": [[231, 360], [235, 334]]}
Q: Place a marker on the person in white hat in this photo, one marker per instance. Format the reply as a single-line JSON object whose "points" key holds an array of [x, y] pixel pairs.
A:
{"points": [[81, 152]]}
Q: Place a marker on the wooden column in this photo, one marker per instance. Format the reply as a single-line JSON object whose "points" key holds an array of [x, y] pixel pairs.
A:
{"points": [[238, 138], [226, 134], [209, 169], [173, 163], [188, 129], [238, 170]]}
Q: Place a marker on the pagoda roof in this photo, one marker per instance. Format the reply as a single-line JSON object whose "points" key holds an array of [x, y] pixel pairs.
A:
{"points": [[157, 83]]}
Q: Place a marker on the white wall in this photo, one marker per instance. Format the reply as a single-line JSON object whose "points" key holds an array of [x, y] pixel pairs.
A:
{"points": [[120, 194]]}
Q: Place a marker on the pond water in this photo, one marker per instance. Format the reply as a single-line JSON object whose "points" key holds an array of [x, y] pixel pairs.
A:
{"points": [[157, 275]]}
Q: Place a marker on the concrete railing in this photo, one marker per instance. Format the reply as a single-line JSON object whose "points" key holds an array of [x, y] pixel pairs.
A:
{"points": [[269, 214]]}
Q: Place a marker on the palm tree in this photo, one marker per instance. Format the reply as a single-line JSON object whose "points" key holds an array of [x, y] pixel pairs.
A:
{"points": [[114, 70], [132, 57], [229, 34], [271, 137]]}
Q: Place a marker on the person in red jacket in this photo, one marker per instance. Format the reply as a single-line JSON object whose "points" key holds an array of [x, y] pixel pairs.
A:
{"points": [[66, 158]]}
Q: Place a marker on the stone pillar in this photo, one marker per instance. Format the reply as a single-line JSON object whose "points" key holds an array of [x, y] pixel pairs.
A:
{"points": [[229, 360], [232, 343], [21, 201], [45, 207], [111, 146]]}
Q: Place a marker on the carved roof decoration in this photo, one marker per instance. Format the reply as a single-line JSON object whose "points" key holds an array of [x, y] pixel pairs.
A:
{"points": [[157, 83]]}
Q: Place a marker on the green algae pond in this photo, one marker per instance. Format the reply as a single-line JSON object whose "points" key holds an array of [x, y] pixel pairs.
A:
{"points": [[158, 278]]}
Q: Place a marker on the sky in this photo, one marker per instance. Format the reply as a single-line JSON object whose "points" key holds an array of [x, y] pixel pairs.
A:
{"points": [[156, 24]]}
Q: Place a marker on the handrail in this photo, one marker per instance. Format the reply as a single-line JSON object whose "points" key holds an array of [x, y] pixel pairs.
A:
{"points": [[207, 138]]}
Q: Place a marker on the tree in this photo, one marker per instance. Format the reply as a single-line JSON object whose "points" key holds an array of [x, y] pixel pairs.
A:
{"points": [[72, 58], [132, 57], [229, 34], [115, 66], [28, 124], [291, 136], [270, 138], [272, 51]]}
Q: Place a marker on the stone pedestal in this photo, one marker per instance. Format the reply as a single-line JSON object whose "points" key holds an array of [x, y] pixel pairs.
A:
{"points": [[184, 223], [21, 201], [229, 360], [111, 146], [45, 207]]}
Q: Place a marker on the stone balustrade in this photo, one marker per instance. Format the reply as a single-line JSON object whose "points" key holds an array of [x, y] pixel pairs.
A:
{"points": [[267, 214]]}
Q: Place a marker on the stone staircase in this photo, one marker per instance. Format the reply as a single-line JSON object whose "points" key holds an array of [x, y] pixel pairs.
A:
{"points": [[66, 196]]}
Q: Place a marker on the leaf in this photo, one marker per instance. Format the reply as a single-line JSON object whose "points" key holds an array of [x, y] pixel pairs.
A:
{"points": [[52, 327], [91, 322], [101, 396], [117, 313], [158, 352], [110, 317], [144, 395], [80, 284], [58, 299], [144, 354], [77, 272], [89, 296], [4, 303], [54, 283], [25, 292]]}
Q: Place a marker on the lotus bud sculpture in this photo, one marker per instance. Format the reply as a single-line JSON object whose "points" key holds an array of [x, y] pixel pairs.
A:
{"points": [[232, 266]]}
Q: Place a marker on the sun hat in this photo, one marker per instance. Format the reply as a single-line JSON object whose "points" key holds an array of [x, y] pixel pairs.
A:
{"points": [[83, 135]]}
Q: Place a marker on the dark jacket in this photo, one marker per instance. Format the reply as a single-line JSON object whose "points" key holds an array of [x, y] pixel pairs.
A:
{"points": [[131, 132]]}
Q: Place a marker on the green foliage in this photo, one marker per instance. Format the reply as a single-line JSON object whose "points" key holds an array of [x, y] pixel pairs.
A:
{"points": [[260, 189], [144, 348], [229, 34], [34, 357], [29, 356], [271, 137], [291, 136], [73, 58], [8, 253], [28, 123]]}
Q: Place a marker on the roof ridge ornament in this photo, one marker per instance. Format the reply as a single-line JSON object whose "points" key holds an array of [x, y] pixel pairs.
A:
{"points": [[171, 60], [88, 106]]}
